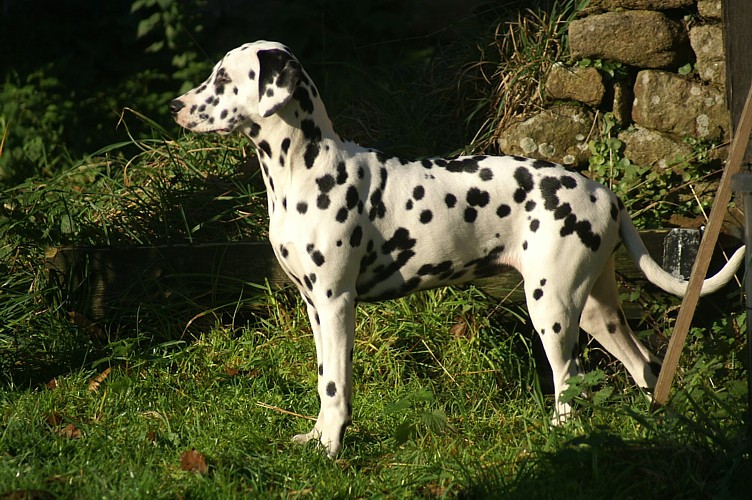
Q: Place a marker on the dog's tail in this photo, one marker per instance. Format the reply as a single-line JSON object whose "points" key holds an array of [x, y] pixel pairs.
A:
{"points": [[655, 273]]}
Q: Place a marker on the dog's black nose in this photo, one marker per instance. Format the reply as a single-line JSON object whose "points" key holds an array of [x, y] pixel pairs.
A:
{"points": [[175, 106]]}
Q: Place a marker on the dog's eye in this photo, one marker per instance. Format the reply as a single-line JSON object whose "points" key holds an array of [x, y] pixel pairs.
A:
{"points": [[222, 79]]}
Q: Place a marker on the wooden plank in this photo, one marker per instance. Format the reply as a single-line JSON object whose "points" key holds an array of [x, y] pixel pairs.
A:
{"points": [[509, 285], [104, 280], [704, 254], [737, 19]]}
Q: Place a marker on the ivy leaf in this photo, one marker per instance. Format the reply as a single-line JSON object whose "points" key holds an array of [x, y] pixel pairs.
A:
{"points": [[602, 395], [147, 25], [686, 69]]}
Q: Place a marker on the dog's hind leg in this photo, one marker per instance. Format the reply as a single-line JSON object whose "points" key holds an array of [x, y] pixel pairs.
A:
{"points": [[603, 318], [554, 314]]}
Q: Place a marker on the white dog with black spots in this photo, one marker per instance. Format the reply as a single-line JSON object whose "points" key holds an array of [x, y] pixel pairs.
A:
{"points": [[350, 224]]}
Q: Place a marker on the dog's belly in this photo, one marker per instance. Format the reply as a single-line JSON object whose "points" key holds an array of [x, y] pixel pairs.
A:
{"points": [[444, 225], [408, 259]]}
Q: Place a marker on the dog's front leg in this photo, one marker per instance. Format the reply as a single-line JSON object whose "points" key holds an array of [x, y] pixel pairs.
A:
{"points": [[333, 323]]}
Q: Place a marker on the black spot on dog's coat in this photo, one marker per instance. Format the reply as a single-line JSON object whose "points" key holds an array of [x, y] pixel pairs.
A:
{"points": [[477, 198], [331, 389], [356, 237], [450, 200], [325, 183], [470, 214]]}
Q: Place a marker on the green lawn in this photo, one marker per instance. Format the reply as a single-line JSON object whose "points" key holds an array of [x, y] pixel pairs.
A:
{"points": [[447, 404], [451, 391]]}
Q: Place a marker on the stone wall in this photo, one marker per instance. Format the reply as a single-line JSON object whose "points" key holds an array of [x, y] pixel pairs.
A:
{"points": [[669, 84]]}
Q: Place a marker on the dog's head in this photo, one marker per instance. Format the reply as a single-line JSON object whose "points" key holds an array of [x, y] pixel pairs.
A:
{"points": [[250, 83]]}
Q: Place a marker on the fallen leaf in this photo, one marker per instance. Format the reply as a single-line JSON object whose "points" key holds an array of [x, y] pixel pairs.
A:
{"points": [[97, 381], [193, 461], [55, 419], [69, 431], [52, 384], [460, 328]]}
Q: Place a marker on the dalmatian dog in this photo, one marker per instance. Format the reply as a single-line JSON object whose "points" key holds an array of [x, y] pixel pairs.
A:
{"points": [[351, 224]]}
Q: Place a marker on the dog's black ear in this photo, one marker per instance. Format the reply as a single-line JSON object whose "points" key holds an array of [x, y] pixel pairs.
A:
{"points": [[279, 74]]}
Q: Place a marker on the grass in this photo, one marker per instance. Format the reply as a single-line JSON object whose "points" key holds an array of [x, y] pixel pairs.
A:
{"points": [[439, 411], [451, 395]]}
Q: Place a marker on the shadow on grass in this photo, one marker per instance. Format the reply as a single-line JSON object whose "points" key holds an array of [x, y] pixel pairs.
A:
{"points": [[603, 465]]}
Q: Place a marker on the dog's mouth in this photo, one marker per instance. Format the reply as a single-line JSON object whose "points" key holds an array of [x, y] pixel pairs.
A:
{"points": [[203, 128]]}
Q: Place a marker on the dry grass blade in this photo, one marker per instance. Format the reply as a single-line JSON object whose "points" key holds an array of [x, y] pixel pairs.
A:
{"points": [[282, 410], [514, 65]]}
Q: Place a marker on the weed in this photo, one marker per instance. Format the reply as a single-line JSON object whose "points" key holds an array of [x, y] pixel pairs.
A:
{"points": [[614, 70], [515, 65]]}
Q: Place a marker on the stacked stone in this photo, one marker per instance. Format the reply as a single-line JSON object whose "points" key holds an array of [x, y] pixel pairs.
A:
{"points": [[650, 38]]}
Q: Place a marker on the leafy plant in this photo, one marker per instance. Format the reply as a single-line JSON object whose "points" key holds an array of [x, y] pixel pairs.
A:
{"points": [[614, 70], [417, 422], [652, 194]]}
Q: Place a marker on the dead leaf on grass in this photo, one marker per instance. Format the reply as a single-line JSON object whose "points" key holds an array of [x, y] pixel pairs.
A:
{"points": [[193, 461], [54, 420], [95, 382], [70, 431], [56, 423], [460, 328]]}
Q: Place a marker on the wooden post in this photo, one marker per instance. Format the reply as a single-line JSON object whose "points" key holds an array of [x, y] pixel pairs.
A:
{"points": [[737, 19], [102, 282], [742, 183]]}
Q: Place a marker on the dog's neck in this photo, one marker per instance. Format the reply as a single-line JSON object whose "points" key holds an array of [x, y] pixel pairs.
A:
{"points": [[292, 139]]}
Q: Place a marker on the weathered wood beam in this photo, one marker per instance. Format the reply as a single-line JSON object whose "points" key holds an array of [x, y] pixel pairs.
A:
{"points": [[103, 280]]}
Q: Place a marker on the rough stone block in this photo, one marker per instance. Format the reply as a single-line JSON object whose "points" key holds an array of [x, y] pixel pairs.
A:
{"points": [[558, 134], [671, 103], [639, 4], [710, 9], [622, 102], [707, 42], [652, 148], [575, 84], [662, 42]]}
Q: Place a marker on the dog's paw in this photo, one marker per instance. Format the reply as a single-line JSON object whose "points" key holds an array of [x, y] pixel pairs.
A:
{"points": [[330, 446], [562, 414]]}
